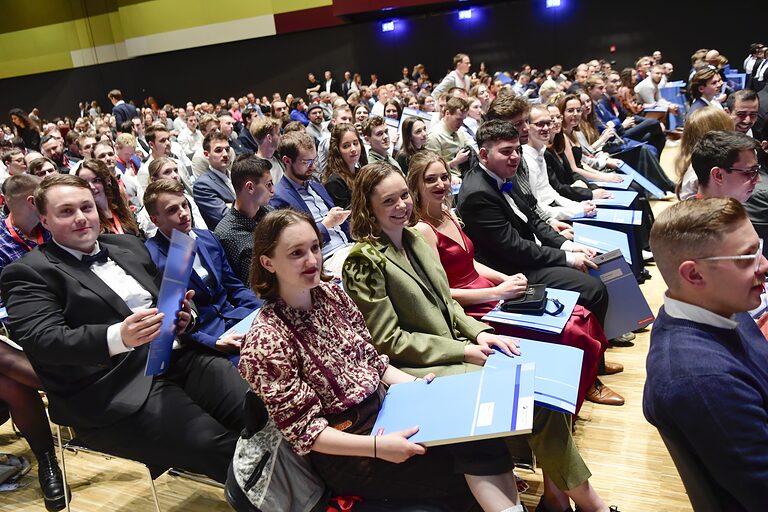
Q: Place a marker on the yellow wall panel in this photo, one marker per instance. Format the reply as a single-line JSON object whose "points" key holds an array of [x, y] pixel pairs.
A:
{"points": [[158, 16], [282, 6], [32, 65]]}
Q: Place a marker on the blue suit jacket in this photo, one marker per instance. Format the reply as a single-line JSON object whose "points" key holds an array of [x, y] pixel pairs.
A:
{"points": [[212, 194], [124, 112], [605, 114], [247, 140], [225, 302], [286, 196]]}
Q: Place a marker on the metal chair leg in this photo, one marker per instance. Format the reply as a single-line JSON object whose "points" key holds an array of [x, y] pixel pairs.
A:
{"points": [[152, 486], [63, 466]]}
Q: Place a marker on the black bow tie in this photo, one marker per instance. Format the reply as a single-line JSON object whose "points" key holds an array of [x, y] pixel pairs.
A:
{"points": [[99, 257]]}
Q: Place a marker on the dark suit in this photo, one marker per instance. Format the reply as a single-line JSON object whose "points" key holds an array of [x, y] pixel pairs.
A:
{"points": [[504, 242], [335, 87], [247, 140], [59, 312], [213, 197], [286, 196], [645, 129], [345, 87], [124, 112], [562, 180], [762, 114], [222, 300]]}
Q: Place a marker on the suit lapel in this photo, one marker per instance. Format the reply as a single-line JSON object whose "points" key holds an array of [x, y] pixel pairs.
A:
{"points": [[208, 261], [70, 265], [393, 255], [221, 184]]}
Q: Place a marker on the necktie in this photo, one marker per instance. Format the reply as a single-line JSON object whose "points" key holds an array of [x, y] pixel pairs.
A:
{"points": [[99, 257]]}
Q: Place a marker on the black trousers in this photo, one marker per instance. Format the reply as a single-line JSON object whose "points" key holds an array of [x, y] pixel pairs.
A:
{"points": [[594, 295], [190, 421]]}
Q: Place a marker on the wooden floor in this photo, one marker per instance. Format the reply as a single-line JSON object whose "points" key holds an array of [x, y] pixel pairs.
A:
{"points": [[630, 466]]}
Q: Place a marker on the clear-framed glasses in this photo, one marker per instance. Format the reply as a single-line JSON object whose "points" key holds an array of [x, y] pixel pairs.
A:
{"points": [[308, 162], [744, 257], [752, 173]]}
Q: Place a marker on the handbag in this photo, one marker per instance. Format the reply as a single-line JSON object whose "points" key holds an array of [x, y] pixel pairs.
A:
{"points": [[532, 302]]}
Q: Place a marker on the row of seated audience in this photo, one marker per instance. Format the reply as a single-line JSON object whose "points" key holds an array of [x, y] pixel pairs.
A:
{"points": [[383, 224]]}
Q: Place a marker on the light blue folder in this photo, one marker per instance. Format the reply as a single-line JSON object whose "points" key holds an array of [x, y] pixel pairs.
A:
{"points": [[602, 239], [613, 216], [624, 184], [641, 180], [546, 323], [496, 401], [558, 372], [621, 199], [172, 289], [244, 325]]}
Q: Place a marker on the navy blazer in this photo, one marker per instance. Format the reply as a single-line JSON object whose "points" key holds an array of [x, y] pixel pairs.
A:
{"points": [[696, 105], [211, 193], [222, 304], [124, 112], [286, 196], [605, 114], [247, 140]]}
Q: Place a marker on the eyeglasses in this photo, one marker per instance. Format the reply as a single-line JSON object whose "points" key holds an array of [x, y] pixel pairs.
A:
{"points": [[745, 257], [308, 162], [542, 124], [751, 174]]}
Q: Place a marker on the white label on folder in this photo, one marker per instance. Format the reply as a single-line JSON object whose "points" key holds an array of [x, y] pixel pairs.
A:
{"points": [[524, 413], [611, 276], [485, 414]]}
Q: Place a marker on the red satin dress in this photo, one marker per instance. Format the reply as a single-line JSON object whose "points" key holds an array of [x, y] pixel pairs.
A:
{"points": [[582, 330]]}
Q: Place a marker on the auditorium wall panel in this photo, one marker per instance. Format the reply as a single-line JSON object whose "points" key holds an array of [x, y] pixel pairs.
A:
{"points": [[504, 35]]}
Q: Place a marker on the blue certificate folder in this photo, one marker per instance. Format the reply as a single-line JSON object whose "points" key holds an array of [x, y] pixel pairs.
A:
{"points": [[602, 239], [624, 184], [627, 308], [244, 325], [642, 181], [546, 323], [496, 401], [613, 216], [621, 199], [558, 372], [172, 289]]}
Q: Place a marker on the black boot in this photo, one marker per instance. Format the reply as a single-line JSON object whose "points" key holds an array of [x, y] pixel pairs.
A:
{"points": [[51, 481]]}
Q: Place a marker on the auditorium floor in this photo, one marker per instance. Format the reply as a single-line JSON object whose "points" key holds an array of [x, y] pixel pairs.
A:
{"points": [[630, 466]]}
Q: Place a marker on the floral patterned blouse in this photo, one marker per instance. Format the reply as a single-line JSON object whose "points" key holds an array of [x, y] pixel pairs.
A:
{"points": [[306, 364]]}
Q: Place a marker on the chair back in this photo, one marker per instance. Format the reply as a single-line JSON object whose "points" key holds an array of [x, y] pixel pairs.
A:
{"points": [[699, 486]]}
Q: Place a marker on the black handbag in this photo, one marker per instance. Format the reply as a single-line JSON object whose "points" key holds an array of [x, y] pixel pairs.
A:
{"points": [[532, 302]]}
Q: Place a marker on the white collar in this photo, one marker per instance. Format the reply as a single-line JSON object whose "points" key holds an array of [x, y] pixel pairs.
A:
{"points": [[78, 254], [533, 152], [685, 311], [490, 173]]}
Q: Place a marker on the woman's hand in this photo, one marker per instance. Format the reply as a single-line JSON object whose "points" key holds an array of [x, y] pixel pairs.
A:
{"points": [[476, 354], [601, 193], [396, 448], [512, 287], [506, 345], [610, 177], [613, 163]]}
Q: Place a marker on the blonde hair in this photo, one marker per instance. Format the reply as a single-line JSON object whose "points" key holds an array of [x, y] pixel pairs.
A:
{"points": [[689, 229], [417, 167], [698, 124]]}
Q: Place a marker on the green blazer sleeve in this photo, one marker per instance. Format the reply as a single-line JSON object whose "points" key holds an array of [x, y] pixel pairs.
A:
{"points": [[404, 325]]}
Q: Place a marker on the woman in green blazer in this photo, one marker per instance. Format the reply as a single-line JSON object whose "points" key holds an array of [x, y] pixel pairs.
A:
{"points": [[403, 293]]}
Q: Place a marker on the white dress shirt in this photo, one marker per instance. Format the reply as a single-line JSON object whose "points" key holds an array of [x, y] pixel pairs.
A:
{"points": [[546, 195], [125, 286], [685, 311]]}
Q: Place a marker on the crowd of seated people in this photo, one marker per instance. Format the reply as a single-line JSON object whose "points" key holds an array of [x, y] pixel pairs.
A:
{"points": [[100, 195]]}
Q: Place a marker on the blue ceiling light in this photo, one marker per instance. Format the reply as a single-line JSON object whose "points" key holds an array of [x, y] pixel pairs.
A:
{"points": [[388, 26], [553, 3], [465, 14]]}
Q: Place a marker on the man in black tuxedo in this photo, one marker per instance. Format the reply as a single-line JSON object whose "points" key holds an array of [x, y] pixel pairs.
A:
{"points": [[83, 308], [508, 235]]}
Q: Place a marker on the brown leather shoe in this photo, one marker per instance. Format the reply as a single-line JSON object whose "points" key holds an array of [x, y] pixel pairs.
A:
{"points": [[611, 368], [599, 393]]}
